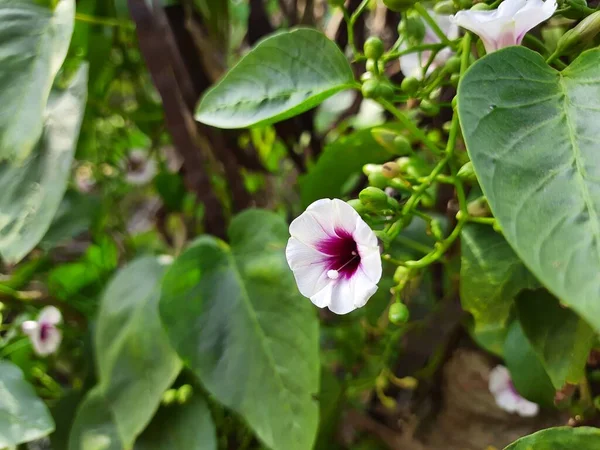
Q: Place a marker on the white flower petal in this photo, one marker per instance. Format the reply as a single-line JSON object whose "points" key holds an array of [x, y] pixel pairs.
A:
{"points": [[370, 263], [30, 327], [412, 64], [499, 379], [299, 254], [364, 236], [525, 408], [322, 298], [314, 224], [508, 8], [342, 297], [49, 345], [507, 400], [308, 266], [363, 287], [532, 14], [50, 315], [346, 217]]}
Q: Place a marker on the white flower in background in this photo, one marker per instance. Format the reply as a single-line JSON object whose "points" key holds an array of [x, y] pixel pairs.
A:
{"points": [[508, 24], [141, 169], [412, 64], [45, 337], [334, 256], [506, 396]]}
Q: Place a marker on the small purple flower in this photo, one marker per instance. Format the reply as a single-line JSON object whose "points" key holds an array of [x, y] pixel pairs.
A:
{"points": [[334, 256], [45, 337], [506, 396], [506, 25]]}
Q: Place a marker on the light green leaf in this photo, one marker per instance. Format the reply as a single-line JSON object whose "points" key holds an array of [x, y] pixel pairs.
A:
{"points": [[560, 338], [31, 194], [23, 416], [338, 162], [491, 275], [284, 75], [34, 40], [235, 316], [526, 370], [562, 438], [532, 134], [135, 360], [186, 427]]}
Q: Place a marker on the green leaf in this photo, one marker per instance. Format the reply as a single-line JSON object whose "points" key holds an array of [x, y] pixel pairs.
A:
{"points": [[491, 275], [94, 427], [135, 360], [532, 134], [526, 370], [186, 427], [560, 338], [563, 438], [235, 316], [23, 416], [34, 40], [284, 75], [31, 194], [339, 161]]}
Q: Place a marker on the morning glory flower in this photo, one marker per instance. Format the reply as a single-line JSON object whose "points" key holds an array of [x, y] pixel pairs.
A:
{"points": [[45, 337], [508, 24], [412, 64], [506, 396], [334, 256]]}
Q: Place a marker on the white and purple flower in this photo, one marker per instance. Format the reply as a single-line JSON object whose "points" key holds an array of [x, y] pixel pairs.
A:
{"points": [[43, 333], [506, 396], [412, 64], [334, 256], [508, 24]]}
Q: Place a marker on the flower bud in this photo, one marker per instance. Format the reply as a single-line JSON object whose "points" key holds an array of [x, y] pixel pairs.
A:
{"points": [[378, 180], [370, 88], [385, 137], [392, 203], [573, 13], [410, 85], [368, 169], [453, 64], [412, 27], [390, 169], [402, 145], [429, 108], [444, 8], [169, 396], [454, 79], [478, 208], [184, 393], [584, 32], [398, 5], [401, 275], [398, 313], [357, 205], [371, 65], [373, 198], [481, 7], [374, 48], [467, 173]]}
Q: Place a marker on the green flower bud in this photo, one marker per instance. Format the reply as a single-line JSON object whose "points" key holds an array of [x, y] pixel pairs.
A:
{"points": [[401, 275], [357, 205], [583, 33], [402, 145], [390, 170], [481, 7], [435, 136], [373, 198], [445, 7], [398, 5], [403, 163], [169, 396], [573, 13], [393, 204], [412, 27], [385, 137], [386, 90], [368, 169], [378, 180], [467, 173], [374, 48], [184, 393], [454, 79], [372, 66], [453, 64], [410, 85], [370, 88], [479, 208], [429, 108], [465, 4], [398, 313], [366, 76]]}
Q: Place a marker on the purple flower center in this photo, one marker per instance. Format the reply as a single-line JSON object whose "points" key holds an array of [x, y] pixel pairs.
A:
{"points": [[342, 252], [45, 331]]}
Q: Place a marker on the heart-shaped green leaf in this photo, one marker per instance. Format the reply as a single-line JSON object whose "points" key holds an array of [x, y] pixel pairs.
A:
{"points": [[563, 438], [532, 134], [234, 315], [31, 194], [34, 40], [23, 416], [491, 275], [284, 75]]}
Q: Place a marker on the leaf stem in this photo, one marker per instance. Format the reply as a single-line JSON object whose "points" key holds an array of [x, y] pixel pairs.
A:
{"points": [[433, 24], [415, 49], [106, 21]]}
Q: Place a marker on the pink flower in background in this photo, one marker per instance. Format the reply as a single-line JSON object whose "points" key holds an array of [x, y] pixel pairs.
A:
{"points": [[412, 64], [334, 256], [45, 337], [506, 396], [508, 24]]}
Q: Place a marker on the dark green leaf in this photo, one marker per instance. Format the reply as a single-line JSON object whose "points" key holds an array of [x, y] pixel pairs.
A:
{"points": [[284, 75], [186, 427], [34, 40], [526, 370], [31, 194], [235, 316], [491, 275], [338, 162], [23, 416], [135, 360], [531, 132], [563, 438], [561, 339]]}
